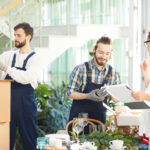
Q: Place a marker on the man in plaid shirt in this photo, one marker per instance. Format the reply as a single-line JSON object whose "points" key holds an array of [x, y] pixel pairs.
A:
{"points": [[87, 79]]}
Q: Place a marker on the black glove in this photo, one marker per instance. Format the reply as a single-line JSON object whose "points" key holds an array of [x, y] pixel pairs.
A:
{"points": [[93, 96]]}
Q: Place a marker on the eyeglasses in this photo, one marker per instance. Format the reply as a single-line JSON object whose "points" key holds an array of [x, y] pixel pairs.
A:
{"points": [[104, 53], [146, 42]]}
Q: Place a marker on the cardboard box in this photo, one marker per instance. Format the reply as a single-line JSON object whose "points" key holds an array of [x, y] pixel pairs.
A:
{"points": [[4, 136], [5, 100]]}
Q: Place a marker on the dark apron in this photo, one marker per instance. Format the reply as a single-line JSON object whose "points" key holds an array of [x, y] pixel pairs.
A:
{"points": [[23, 111], [95, 110]]}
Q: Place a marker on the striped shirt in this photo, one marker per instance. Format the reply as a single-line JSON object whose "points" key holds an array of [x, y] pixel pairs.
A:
{"points": [[78, 77]]}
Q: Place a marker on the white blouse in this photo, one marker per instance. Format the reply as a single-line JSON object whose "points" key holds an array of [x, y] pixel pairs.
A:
{"points": [[145, 119]]}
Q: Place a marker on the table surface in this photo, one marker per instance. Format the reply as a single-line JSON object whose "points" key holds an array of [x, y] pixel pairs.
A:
{"points": [[54, 148]]}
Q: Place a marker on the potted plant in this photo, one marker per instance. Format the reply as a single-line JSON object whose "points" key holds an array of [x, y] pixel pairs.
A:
{"points": [[53, 108]]}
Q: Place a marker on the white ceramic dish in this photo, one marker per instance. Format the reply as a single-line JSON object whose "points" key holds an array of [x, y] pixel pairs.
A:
{"points": [[58, 136]]}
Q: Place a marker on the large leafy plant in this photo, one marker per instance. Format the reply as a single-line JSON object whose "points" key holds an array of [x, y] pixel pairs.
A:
{"points": [[53, 108]]}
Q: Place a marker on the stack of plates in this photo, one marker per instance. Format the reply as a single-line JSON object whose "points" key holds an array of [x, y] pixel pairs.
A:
{"points": [[63, 137]]}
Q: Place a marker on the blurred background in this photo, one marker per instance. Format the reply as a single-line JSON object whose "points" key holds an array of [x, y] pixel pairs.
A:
{"points": [[65, 30]]}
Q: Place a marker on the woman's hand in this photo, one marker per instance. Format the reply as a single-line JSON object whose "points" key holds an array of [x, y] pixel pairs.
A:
{"points": [[145, 66], [139, 95], [145, 69]]}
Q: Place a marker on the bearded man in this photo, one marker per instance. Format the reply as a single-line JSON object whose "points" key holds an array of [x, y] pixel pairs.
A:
{"points": [[22, 66], [87, 79]]}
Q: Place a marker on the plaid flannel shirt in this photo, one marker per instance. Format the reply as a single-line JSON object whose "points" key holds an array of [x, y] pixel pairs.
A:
{"points": [[78, 77]]}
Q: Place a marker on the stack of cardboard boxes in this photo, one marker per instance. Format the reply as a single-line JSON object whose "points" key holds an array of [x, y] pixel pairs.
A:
{"points": [[4, 114]]}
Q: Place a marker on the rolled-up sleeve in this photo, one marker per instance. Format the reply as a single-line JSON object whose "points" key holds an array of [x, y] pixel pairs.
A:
{"points": [[75, 80]]}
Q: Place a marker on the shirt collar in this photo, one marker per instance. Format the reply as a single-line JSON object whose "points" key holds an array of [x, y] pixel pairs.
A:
{"points": [[92, 65]]}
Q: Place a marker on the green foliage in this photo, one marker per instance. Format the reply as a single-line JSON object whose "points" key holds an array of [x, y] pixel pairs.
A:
{"points": [[111, 104], [103, 138], [53, 108], [18, 145], [73, 134]]}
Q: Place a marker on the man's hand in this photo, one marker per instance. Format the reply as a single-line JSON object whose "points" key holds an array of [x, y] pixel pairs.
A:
{"points": [[96, 96], [2, 66], [93, 95], [102, 92]]}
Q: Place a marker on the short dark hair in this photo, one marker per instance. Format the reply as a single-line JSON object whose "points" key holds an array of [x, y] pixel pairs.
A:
{"points": [[26, 27], [104, 40]]}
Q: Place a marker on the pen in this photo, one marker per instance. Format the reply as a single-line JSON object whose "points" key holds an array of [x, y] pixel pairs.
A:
{"points": [[128, 88]]}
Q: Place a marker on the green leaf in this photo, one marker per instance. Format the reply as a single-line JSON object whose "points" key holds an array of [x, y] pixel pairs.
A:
{"points": [[73, 134], [53, 108]]}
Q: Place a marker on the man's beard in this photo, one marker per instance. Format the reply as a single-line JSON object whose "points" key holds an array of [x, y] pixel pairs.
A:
{"points": [[99, 63], [20, 44]]}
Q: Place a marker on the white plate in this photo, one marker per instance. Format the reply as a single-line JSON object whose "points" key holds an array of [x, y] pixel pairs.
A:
{"points": [[112, 148], [58, 136]]}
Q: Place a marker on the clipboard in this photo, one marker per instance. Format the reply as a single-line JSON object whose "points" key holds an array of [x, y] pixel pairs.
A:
{"points": [[122, 92]]}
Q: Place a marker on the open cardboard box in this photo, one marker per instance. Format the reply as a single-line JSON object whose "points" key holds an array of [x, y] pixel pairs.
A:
{"points": [[125, 109]]}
